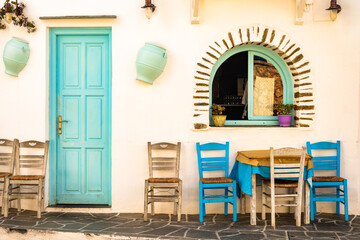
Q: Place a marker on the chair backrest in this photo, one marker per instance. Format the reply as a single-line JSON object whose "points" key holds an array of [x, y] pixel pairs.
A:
{"points": [[213, 157], [287, 170], [32, 158], [325, 162], [8, 149], [164, 156]]}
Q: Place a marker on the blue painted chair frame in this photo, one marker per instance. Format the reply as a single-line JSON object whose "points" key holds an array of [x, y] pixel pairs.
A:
{"points": [[328, 163], [215, 164]]}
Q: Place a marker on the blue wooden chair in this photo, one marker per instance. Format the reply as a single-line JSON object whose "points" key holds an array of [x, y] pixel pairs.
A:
{"points": [[215, 163], [327, 162]]}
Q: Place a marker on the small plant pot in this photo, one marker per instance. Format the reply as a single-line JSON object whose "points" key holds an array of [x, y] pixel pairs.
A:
{"points": [[285, 120], [219, 120]]}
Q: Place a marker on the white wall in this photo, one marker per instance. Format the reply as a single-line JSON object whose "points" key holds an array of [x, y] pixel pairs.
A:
{"points": [[163, 111]]}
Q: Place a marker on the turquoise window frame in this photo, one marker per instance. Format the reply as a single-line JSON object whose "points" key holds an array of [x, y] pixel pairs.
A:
{"points": [[277, 62]]}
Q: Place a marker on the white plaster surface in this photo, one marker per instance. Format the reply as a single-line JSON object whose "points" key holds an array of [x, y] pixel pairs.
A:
{"points": [[163, 111]]}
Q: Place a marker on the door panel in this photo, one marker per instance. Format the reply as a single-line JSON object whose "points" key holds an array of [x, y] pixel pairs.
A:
{"points": [[83, 148]]}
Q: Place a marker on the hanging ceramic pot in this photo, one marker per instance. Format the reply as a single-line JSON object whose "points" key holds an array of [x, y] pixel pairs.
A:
{"points": [[150, 62], [16, 55]]}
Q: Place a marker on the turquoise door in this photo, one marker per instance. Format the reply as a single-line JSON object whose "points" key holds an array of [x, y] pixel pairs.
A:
{"points": [[80, 73]]}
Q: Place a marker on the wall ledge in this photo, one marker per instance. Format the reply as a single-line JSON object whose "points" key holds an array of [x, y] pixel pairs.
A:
{"points": [[78, 17]]}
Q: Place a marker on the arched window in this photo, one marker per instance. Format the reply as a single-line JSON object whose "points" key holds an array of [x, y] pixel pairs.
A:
{"points": [[248, 80]]}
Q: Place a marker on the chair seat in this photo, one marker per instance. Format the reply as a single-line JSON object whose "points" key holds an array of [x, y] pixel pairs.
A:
{"points": [[283, 183], [164, 180], [217, 180], [27, 177], [328, 179], [4, 174]]}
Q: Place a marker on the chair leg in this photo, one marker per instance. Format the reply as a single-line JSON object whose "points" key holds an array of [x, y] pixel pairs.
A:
{"points": [[273, 206], [298, 211], [39, 197], [42, 198], [338, 203], [226, 203], [175, 207], [146, 200], [152, 203], [346, 212], [5, 203], [312, 205], [204, 208], [314, 196], [179, 202], [18, 201], [2, 199], [242, 202], [201, 204], [234, 202], [263, 201]]}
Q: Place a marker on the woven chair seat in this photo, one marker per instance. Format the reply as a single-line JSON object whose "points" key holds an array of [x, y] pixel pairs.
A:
{"points": [[164, 180], [27, 177], [217, 180], [328, 179], [283, 183], [4, 174]]}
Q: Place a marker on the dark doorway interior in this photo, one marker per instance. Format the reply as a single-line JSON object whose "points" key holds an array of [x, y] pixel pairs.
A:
{"points": [[230, 84]]}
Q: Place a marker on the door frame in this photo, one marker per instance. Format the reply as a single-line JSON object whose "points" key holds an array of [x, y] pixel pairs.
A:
{"points": [[53, 34]]}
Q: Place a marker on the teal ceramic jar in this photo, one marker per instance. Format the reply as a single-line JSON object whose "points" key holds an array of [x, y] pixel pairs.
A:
{"points": [[150, 62], [16, 55]]}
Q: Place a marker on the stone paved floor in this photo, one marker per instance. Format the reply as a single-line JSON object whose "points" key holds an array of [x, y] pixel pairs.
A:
{"points": [[163, 226]]}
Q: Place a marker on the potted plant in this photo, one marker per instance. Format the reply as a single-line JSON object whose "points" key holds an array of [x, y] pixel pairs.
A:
{"points": [[284, 113], [217, 117]]}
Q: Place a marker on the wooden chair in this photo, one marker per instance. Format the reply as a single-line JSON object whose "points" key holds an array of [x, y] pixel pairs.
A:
{"points": [[279, 173], [164, 158], [28, 180], [215, 163], [327, 162], [8, 150]]}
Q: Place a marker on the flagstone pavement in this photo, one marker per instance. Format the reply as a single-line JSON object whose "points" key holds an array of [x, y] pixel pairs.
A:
{"points": [[164, 226]]}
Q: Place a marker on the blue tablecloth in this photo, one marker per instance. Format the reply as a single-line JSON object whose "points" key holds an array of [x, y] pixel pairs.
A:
{"points": [[242, 174]]}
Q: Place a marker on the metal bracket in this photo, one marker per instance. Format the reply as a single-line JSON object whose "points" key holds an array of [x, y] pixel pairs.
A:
{"points": [[195, 19], [300, 9]]}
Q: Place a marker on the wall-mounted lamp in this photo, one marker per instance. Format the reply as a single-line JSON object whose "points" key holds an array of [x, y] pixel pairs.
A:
{"points": [[308, 4], [149, 8], [8, 11], [334, 9], [14, 12]]}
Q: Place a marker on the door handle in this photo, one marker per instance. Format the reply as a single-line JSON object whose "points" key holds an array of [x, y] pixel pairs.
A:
{"points": [[60, 121]]}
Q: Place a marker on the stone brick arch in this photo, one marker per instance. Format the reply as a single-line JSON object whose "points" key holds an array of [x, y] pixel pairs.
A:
{"points": [[272, 39]]}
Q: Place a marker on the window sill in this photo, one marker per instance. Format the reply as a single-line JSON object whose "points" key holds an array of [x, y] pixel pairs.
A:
{"points": [[251, 126]]}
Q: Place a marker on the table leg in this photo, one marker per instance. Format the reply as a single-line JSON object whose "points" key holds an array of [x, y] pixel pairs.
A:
{"points": [[307, 204], [253, 201], [242, 203]]}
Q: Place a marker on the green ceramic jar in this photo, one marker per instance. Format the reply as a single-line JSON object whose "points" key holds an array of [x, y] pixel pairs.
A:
{"points": [[150, 62], [16, 55]]}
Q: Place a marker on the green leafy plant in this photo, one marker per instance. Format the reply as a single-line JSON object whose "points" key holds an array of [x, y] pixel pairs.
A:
{"points": [[284, 109], [18, 17], [217, 109]]}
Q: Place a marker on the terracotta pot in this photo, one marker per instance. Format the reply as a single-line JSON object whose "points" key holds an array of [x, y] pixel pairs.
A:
{"points": [[219, 120], [150, 62], [16, 55]]}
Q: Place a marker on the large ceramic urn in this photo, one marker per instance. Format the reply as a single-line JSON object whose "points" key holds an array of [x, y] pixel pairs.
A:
{"points": [[16, 55], [150, 62]]}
